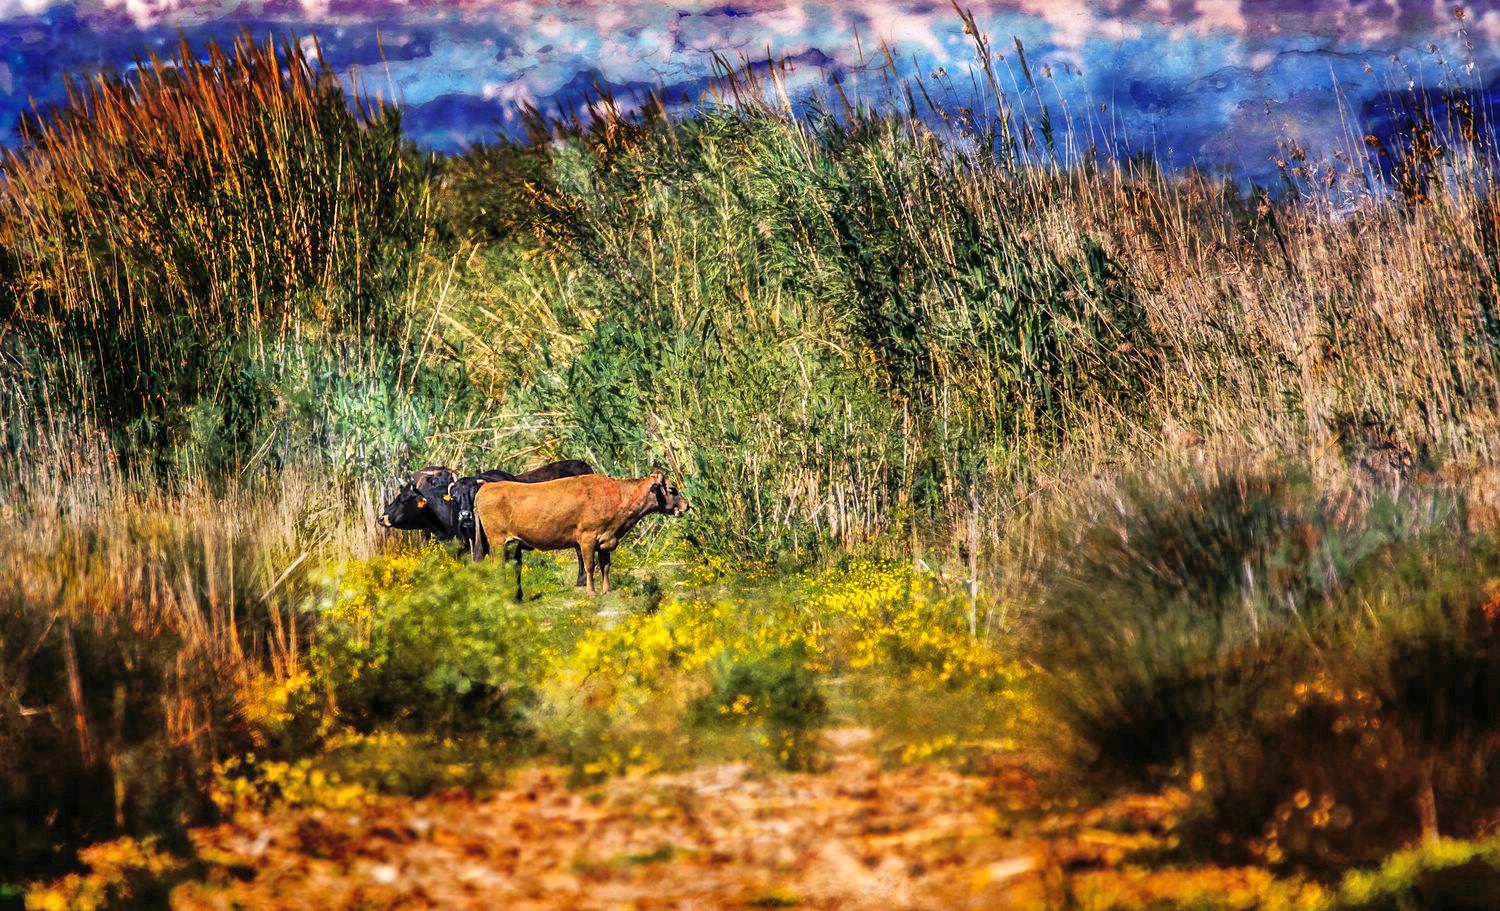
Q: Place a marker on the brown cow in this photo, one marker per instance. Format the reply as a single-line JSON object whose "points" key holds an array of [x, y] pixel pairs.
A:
{"points": [[590, 512]]}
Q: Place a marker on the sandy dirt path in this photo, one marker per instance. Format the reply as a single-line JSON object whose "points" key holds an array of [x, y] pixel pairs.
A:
{"points": [[854, 836]]}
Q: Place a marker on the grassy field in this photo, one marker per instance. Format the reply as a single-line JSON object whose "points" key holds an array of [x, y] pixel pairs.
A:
{"points": [[1066, 533]]}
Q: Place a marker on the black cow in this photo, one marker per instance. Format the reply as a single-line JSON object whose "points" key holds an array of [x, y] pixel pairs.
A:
{"points": [[460, 496], [414, 507]]}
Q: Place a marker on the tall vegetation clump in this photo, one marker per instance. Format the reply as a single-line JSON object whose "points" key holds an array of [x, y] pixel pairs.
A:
{"points": [[135, 631], [174, 235], [1321, 669], [896, 319], [208, 265], [926, 323]]}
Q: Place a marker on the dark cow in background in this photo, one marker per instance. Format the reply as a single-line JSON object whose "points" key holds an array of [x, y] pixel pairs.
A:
{"points": [[459, 496], [435, 501]]}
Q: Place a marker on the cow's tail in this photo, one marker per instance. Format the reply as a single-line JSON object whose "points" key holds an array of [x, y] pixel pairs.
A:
{"points": [[479, 548]]}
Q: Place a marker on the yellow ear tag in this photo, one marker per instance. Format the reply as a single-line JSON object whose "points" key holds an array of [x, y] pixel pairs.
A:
{"points": [[447, 498], [422, 503]]}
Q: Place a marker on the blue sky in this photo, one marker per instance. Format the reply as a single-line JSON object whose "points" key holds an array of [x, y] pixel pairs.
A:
{"points": [[1211, 82]]}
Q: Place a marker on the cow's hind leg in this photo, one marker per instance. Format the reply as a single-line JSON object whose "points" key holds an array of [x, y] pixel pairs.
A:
{"points": [[580, 582], [520, 553], [586, 553], [604, 558]]}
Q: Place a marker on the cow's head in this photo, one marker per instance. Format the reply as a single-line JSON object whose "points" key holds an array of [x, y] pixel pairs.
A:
{"points": [[407, 511], [463, 492], [669, 500], [413, 507], [431, 476]]}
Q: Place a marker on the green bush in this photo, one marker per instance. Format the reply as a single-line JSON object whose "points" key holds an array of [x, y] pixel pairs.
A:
{"points": [[1159, 605], [443, 650], [777, 688], [1440, 876], [1383, 722]]}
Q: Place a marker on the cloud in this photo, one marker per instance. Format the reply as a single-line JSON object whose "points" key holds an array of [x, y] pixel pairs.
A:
{"points": [[14, 9], [1190, 79]]}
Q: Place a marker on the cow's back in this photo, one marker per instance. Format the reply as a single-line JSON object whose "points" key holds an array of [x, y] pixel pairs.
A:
{"points": [[566, 468], [548, 514]]}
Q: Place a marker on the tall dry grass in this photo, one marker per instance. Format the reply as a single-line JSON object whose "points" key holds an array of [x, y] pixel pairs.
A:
{"points": [[136, 628], [208, 268], [168, 229]]}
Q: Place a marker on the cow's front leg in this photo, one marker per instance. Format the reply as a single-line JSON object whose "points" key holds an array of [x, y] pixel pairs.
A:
{"points": [[579, 553]]}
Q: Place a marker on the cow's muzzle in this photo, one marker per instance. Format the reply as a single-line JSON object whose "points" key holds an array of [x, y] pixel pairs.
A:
{"points": [[385, 520]]}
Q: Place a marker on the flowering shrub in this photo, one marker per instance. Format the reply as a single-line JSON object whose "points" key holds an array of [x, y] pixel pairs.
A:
{"points": [[124, 873], [420, 642], [776, 688], [872, 615], [413, 642], [732, 671], [250, 783], [1439, 874], [1433, 877]]}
